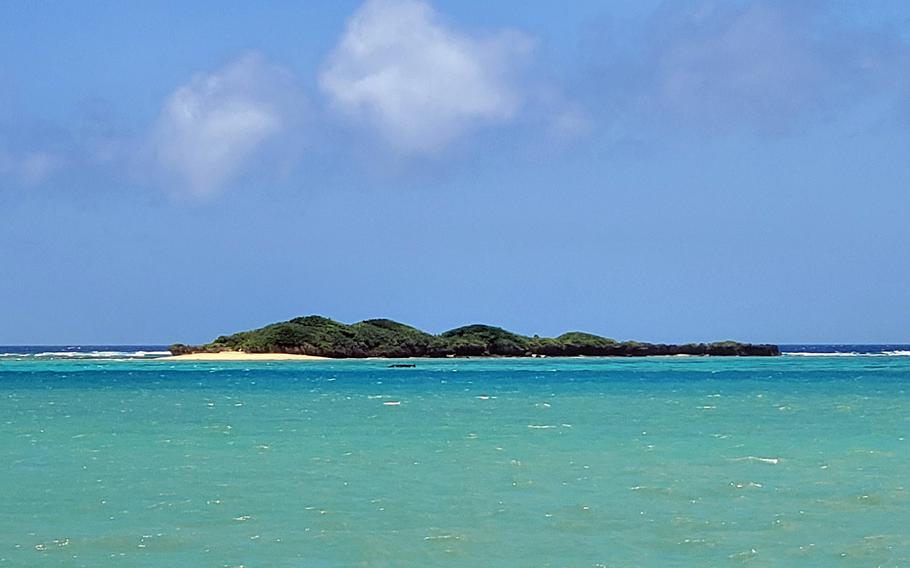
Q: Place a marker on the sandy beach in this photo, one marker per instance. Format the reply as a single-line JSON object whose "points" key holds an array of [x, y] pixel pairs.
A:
{"points": [[241, 356]]}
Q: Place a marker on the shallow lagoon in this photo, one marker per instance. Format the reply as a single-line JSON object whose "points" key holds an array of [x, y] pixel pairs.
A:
{"points": [[552, 462]]}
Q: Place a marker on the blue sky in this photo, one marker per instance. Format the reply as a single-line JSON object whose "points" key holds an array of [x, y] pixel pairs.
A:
{"points": [[665, 171]]}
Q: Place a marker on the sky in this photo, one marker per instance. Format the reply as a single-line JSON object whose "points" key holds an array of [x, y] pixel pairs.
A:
{"points": [[685, 170]]}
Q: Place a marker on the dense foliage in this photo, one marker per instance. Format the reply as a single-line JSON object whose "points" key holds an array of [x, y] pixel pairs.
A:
{"points": [[316, 335]]}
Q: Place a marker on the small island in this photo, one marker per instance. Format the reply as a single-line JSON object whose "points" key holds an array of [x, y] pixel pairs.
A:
{"points": [[319, 337]]}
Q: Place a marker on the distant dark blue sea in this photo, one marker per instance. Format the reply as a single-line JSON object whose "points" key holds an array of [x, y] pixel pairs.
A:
{"points": [[847, 349]]}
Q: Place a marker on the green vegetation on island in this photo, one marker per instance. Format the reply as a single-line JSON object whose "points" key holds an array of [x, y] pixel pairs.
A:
{"points": [[317, 335]]}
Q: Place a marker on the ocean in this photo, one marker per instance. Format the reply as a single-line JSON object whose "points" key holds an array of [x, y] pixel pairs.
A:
{"points": [[113, 459]]}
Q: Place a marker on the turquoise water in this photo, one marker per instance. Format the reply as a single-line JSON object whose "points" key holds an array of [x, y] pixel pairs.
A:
{"points": [[791, 461]]}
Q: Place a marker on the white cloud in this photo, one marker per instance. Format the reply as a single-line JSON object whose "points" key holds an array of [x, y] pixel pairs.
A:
{"points": [[569, 123], [212, 127], [29, 168], [417, 81]]}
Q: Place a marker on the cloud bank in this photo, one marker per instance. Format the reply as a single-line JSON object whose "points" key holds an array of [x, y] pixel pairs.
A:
{"points": [[211, 128], [762, 65], [417, 81], [751, 63]]}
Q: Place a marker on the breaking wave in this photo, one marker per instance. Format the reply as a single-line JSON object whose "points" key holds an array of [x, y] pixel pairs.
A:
{"points": [[82, 352]]}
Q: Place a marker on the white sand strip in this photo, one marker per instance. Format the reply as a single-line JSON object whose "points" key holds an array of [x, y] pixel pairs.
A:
{"points": [[241, 356]]}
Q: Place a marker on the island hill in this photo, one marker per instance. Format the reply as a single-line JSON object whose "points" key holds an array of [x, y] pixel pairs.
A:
{"points": [[323, 337]]}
